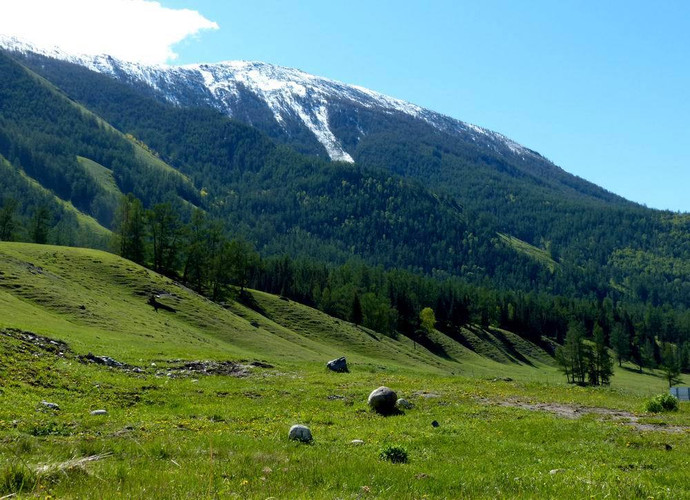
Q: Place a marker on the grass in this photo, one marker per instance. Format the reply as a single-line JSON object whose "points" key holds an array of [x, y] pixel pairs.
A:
{"points": [[190, 435], [538, 254], [102, 175]]}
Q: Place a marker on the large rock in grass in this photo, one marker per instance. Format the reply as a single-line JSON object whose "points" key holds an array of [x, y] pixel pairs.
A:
{"points": [[338, 365], [300, 433], [382, 400]]}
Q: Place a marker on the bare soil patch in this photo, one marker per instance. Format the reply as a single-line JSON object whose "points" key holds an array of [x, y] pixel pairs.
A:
{"points": [[575, 411]]}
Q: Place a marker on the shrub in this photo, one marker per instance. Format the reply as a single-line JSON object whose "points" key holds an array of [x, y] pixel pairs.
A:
{"points": [[394, 454], [660, 403], [16, 478]]}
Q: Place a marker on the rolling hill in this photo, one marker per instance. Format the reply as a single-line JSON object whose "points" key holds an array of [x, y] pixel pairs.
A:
{"points": [[106, 396]]}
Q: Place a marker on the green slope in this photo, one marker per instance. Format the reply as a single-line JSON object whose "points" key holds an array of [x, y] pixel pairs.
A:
{"points": [[98, 302], [175, 431], [75, 154]]}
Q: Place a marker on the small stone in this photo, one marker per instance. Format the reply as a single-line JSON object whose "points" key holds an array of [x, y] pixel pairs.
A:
{"points": [[300, 433], [338, 365], [435, 423], [356, 442], [382, 400], [52, 406], [553, 472], [99, 412], [668, 447], [404, 403]]}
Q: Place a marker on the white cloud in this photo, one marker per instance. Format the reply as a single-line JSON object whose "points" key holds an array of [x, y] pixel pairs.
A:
{"points": [[133, 30]]}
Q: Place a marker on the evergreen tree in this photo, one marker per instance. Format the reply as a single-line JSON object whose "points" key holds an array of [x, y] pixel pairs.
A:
{"points": [[40, 225], [7, 220], [620, 342], [671, 365], [647, 354], [165, 230], [131, 229], [196, 262], [356, 310], [573, 355], [601, 364]]}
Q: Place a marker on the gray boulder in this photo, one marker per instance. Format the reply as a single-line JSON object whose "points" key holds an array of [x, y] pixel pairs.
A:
{"points": [[52, 406], [338, 365], [404, 404], [300, 433], [382, 400]]}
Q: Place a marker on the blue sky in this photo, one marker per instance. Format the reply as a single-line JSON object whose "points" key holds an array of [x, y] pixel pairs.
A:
{"points": [[600, 88]]}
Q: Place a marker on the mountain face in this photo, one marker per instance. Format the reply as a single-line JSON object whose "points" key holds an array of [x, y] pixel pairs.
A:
{"points": [[412, 188], [282, 101]]}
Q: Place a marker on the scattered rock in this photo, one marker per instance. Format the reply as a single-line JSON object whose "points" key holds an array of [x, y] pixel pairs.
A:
{"points": [[51, 406], [435, 423], [99, 412], [102, 360], [356, 442], [382, 400], [426, 395], [260, 364], [300, 433], [553, 472], [404, 404], [338, 365]]}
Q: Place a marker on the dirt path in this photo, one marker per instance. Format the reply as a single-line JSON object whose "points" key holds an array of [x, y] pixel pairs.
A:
{"points": [[574, 411]]}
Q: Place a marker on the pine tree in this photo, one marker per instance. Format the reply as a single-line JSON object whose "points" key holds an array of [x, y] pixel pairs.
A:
{"points": [[356, 310], [671, 365], [131, 229], [572, 357], [620, 342], [39, 225], [601, 363], [7, 222]]}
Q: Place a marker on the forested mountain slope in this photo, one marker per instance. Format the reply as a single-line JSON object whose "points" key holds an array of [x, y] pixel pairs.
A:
{"points": [[419, 196]]}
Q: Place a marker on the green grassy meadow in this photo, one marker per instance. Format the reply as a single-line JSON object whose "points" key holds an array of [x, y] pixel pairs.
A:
{"points": [[175, 432]]}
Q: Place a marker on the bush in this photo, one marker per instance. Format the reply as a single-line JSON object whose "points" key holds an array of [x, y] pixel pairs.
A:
{"points": [[661, 403], [16, 478], [395, 454]]}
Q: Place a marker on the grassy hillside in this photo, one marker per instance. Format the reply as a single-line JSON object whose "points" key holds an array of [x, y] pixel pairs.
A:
{"points": [[217, 428]]}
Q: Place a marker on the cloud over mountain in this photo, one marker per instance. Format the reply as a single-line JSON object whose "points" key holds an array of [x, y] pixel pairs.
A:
{"points": [[133, 30]]}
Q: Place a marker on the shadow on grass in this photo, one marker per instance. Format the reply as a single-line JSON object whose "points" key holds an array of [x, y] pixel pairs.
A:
{"points": [[390, 413], [247, 299], [635, 370]]}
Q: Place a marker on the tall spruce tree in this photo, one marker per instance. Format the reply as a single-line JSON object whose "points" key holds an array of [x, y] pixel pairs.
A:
{"points": [[131, 229]]}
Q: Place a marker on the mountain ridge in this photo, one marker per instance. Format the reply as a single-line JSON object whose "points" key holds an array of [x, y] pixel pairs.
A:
{"points": [[283, 89]]}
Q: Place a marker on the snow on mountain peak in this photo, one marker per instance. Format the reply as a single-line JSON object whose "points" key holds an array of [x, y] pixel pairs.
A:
{"points": [[290, 94]]}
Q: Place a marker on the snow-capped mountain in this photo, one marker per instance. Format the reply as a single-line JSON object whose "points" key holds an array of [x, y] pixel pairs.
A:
{"points": [[313, 113]]}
